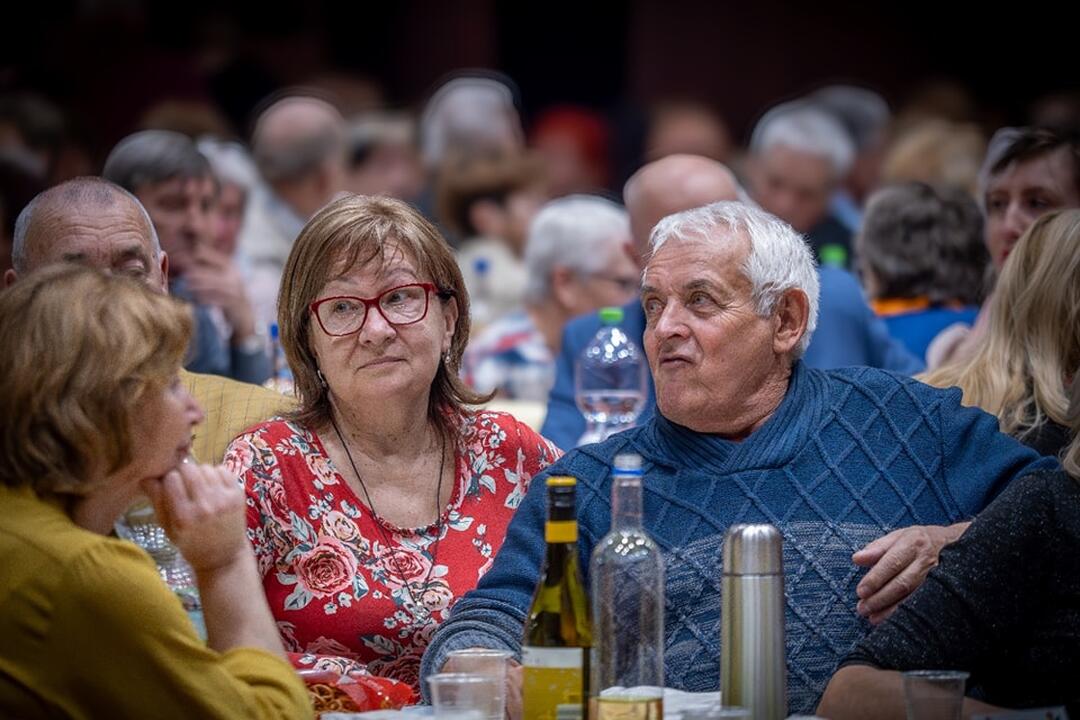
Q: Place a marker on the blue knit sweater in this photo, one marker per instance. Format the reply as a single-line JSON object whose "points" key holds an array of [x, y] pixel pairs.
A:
{"points": [[848, 456]]}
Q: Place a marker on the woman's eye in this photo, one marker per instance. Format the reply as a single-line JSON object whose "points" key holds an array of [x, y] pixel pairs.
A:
{"points": [[344, 307]]}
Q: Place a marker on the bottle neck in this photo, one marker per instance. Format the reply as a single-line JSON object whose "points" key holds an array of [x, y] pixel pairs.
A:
{"points": [[561, 534], [626, 502]]}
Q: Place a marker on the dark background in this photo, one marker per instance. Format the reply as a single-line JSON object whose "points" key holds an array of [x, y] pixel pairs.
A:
{"points": [[105, 62]]}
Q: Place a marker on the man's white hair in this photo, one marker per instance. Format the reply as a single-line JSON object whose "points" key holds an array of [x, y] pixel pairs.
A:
{"points": [[579, 232], [803, 127], [778, 260]]}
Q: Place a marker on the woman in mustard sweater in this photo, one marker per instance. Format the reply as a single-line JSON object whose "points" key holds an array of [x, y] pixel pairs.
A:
{"points": [[93, 414]]}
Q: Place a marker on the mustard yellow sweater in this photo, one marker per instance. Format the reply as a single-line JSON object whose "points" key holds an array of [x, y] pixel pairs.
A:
{"points": [[89, 630]]}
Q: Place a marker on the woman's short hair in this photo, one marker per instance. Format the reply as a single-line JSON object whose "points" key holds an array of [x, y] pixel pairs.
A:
{"points": [[920, 241], [1032, 345], [349, 233], [81, 350]]}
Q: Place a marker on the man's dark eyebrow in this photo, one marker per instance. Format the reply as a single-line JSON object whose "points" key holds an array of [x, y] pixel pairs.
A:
{"points": [[73, 257], [133, 251]]}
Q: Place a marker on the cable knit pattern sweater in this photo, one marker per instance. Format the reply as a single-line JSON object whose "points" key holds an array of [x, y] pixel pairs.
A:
{"points": [[848, 456]]}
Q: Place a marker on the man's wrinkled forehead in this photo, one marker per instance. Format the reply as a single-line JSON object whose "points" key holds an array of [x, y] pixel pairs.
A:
{"points": [[56, 229]]}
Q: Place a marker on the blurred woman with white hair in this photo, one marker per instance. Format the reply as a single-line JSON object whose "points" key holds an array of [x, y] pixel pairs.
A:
{"points": [[578, 259]]}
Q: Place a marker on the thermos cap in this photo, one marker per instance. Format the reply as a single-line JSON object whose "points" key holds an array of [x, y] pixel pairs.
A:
{"points": [[753, 550]]}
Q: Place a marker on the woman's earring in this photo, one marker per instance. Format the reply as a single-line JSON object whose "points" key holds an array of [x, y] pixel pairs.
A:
{"points": [[322, 378], [446, 357]]}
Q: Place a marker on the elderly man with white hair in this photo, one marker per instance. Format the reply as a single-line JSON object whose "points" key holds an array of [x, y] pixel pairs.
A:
{"points": [[577, 257], [799, 156], [746, 432]]}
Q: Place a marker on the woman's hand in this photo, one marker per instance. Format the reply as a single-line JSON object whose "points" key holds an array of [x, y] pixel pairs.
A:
{"points": [[201, 508]]}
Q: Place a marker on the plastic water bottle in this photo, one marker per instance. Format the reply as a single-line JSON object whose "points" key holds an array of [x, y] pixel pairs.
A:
{"points": [[609, 380], [481, 303], [139, 525], [281, 377]]}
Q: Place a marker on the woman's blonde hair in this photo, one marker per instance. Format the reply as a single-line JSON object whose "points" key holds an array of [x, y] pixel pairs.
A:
{"points": [[1070, 459], [79, 350], [349, 233], [1021, 366]]}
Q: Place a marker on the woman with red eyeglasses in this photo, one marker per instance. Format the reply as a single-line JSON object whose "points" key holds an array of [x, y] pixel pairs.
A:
{"points": [[384, 496]]}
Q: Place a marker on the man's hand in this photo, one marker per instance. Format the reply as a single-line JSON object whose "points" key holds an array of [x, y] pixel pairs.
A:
{"points": [[899, 562], [514, 706], [215, 280]]}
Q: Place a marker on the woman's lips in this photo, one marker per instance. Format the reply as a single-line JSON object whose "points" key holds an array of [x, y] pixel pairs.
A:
{"points": [[381, 361]]}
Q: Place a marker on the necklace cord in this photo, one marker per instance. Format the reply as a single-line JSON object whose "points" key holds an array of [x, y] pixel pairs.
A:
{"points": [[379, 522]]}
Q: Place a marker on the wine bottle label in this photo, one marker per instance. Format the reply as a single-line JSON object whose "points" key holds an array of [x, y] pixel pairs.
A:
{"points": [[552, 683], [560, 531]]}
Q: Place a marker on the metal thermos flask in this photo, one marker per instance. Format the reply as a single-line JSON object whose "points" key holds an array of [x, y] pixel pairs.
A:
{"points": [[753, 671]]}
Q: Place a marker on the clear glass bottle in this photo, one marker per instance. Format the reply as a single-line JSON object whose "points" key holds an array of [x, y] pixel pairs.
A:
{"points": [[627, 576], [558, 634]]}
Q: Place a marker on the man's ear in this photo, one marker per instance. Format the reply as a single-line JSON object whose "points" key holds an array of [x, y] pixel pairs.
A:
{"points": [[164, 272], [790, 319], [10, 277]]}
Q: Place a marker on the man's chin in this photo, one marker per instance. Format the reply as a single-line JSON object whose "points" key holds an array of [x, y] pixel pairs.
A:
{"points": [[677, 410]]}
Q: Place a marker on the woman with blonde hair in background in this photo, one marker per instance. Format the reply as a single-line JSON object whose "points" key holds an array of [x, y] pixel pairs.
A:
{"points": [[1021, 368]]}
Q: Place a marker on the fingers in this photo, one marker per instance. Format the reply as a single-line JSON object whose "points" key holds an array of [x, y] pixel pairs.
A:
{"points": [[873, 551], [514, 676], [206, 504], [892, 564], [880, 605], [192, 492]]}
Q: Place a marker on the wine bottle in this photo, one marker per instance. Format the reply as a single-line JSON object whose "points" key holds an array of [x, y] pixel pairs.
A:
{"points": [[558, 634]]}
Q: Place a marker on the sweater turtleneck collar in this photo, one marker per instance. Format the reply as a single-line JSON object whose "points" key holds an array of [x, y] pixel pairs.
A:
{"points": [[771, 445]]}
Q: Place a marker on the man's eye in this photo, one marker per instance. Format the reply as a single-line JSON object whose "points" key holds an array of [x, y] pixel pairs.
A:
{"points": [[699, 299], [134, 271]]}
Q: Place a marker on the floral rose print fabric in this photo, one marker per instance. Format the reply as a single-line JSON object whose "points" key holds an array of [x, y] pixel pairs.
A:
{"points": [[336, 587]]}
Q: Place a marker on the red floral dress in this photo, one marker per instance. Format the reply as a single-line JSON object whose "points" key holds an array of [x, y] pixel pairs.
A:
{"points": [[334, 586]]}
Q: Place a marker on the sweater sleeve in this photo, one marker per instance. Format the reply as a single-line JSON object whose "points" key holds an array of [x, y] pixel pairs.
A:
{"points": [[117, 609], [493, 614], [970, 608], [980, 460]]}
